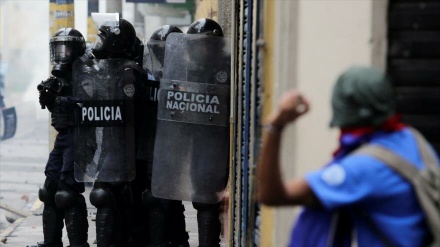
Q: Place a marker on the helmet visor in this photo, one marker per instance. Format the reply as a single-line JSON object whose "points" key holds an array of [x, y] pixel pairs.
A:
{"points": [[99, 42], [110, 20], [155, 57], [65, 49]]}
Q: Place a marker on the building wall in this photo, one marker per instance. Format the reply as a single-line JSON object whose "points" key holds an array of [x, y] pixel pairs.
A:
{"points": [[225, 16], [314, 42]]}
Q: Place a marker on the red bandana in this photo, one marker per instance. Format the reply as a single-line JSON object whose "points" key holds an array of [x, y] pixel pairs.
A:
{"points": [[393, 123]]}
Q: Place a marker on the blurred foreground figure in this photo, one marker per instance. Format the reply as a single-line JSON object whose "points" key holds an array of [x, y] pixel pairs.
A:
{"points": [[360, 187]]}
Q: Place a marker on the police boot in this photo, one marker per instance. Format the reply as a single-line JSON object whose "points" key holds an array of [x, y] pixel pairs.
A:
{"points": [[52, 216], [176, 227], [208, 222], [182, 244], [82, 245], [105, 217], [75, 216], [77, 227], [104, 227], [42, 244], [111, 217], [52, 226], [157, 218]]}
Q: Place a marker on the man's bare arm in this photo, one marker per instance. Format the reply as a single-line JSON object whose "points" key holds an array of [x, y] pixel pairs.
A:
{"points": [[272, 190]]}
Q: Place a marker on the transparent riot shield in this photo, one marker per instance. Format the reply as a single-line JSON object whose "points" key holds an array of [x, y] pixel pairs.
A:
{"points": [[104, 121], [191, 154], [153, 58]]}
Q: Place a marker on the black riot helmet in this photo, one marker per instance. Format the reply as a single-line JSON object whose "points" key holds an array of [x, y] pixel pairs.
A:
{"points": [[162, 33], [208, 41], [65, 46], [116, 42], [205, 26], [156, 50]]}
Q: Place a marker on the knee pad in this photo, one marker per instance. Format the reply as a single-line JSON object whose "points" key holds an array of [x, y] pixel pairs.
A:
{"points": [[44, 195], [47, 192], [100, 198], [205, 206], [64, 198]]}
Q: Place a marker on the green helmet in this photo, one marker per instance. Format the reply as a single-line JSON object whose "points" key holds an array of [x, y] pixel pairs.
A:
{"points": [[362, 96]]}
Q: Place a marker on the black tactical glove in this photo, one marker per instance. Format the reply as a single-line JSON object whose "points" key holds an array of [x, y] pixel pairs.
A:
{"points": [[47, 98]]}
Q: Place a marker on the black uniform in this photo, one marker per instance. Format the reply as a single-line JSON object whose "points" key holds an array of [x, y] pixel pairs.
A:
{"points": [[60, 176], [193, 124], [166, 217], [115, 200], [208, 214], [209, 225], [153, 221], [118, 202], [60, 193]]}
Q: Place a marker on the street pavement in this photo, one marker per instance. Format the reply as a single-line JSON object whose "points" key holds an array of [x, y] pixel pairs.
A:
{"points": [[22, 162], [29, 230]]}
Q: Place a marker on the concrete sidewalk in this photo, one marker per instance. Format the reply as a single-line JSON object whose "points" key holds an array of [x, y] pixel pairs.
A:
{"points": [[29, 230]]}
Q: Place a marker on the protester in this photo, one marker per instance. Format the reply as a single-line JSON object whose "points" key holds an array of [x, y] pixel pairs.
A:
{"points": [[352, 190]]}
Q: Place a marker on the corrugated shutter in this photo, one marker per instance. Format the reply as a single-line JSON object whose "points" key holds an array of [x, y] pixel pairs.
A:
{"points": [[247, 116], [414, 63]]}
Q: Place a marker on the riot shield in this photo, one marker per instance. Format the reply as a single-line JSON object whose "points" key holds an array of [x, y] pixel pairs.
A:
{"points": [[104, 121], [191, 154], [153, 58], [9, 122]]}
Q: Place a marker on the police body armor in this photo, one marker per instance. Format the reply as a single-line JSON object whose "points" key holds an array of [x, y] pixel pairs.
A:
{"points": [[104, 121], [191, 151]]}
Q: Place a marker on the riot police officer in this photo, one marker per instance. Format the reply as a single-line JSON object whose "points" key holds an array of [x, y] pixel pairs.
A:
{"points": [[193, 124], [61, 194], [166, 218], [112, 194], [208, 214]]}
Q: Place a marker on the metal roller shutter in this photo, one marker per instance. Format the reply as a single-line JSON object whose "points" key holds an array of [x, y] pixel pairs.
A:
{"points": [[414, 63]]}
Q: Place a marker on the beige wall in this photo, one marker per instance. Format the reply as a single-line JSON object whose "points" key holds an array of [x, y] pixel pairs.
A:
{"points": [[316, 40]]}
